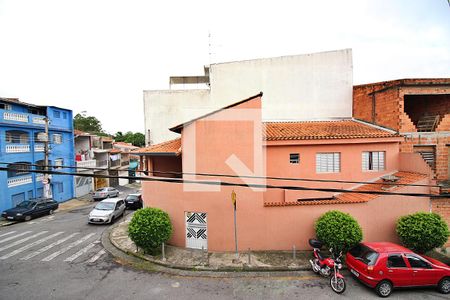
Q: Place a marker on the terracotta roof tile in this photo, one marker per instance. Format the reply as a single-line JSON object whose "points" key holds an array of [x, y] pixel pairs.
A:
{"points": [[79, 132], [123, 144], [317, 130], [350, 198], [405, 178], [115, 151], [172, 147]]}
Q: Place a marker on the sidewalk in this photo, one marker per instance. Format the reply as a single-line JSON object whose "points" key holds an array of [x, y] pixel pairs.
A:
{"points": [[198, 260]]}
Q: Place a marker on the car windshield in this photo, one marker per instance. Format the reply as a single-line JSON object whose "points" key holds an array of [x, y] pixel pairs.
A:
{"points": [[105, 206], [132, 197], [364, 254], [26, 204]]}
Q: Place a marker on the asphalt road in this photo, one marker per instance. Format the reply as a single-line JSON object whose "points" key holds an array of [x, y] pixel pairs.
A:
{"points": [[61, 257]]}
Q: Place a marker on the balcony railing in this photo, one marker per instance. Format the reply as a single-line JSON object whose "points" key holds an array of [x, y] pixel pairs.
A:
{"points": [[16, 181], [102, 164], [39, 177], [115, 163], [10, 116], [92, 163], [17, 148], [39, 120], [39, 148]]}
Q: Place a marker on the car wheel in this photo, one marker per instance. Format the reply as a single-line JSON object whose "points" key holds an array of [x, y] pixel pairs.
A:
{"points": [[107, 196], [50, 212], [384, 288], [444, 285], [112, 220], [27, 218]]}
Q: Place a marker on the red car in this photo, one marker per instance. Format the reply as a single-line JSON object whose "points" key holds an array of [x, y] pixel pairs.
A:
{"points": [[385, 266]]}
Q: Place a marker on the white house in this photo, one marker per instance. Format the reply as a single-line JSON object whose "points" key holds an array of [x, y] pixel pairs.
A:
{"points": [[298, 87]]}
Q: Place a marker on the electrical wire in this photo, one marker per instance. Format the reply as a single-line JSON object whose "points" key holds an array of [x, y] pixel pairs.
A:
{"points": [[230, 176], [223, 183]]}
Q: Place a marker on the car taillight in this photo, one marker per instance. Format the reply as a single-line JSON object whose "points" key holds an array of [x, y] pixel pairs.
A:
{"points": [[370, 268]]}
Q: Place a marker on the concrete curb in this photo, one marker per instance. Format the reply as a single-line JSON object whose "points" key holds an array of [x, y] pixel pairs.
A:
{"points": [[146, 263]]}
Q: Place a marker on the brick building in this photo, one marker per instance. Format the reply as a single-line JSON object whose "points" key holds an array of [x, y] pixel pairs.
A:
{"points": [[418, 109]]}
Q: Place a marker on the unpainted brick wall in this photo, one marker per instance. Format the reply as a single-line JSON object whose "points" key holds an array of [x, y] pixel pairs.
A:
{"points": [[442, 207], [440, 142]]}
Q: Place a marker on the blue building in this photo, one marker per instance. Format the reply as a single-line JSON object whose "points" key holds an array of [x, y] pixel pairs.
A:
{"points": [[20, 125]]}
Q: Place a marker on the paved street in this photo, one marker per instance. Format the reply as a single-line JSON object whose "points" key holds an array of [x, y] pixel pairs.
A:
{"points": [[61, 257]]}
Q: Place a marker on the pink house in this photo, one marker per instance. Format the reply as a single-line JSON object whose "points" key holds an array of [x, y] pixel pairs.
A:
{"points": [[327, 155]]}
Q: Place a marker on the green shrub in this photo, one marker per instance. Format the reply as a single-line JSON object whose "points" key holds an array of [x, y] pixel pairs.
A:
{"points": [[149, 228], [338, 230], [422, 232]]}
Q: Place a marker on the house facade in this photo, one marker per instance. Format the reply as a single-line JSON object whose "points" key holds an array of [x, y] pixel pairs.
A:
{"points": [[128, 163], [324, 157], [22, 127]]}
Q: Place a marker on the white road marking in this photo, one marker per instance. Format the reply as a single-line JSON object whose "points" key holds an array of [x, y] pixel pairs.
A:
{"points": [[8, 233], [22, 240], [81, 252], [13, 237], [37, 252], [42, 220], [97, 256], [17, 251], [57, 253]]}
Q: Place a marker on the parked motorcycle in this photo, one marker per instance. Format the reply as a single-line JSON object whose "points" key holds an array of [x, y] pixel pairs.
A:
{"points": [[328, 266]]}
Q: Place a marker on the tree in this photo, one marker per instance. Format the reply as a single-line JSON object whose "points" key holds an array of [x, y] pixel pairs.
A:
{"points": [[137, 138], [422, 231], [338, 230], [87, 123], [119, 137], [149, 228]]}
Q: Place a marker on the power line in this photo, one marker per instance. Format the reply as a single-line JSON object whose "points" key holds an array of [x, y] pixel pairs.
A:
{"points": [[232, 176], [223, 183]]}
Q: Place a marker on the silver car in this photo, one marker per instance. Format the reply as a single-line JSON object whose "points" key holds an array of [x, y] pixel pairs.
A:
{"points": [[107, 211], [105, 192]]}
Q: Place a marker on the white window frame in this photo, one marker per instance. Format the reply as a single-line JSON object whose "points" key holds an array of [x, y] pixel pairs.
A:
{"points": [[328, 162], [373, 161], [57, 138], [294, 161], [59, 162]]}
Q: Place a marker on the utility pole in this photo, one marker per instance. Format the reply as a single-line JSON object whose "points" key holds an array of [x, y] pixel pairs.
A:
{"points": [[233, 200], [46, 181]]}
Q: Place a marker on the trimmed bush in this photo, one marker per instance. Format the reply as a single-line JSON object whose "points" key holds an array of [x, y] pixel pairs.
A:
{"points": [[149, 228], [422, 232], [338, 230]]}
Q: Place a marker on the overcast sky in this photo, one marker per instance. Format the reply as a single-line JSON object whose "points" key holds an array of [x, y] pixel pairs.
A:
{"points": [[98, 56]]}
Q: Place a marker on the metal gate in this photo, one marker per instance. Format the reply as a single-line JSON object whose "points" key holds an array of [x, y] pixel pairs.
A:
{"points": [[196, 230]]}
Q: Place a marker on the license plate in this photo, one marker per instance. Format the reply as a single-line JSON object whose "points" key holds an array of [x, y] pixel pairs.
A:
{"points": [[354, 272], [10, 218], [130, 202]]}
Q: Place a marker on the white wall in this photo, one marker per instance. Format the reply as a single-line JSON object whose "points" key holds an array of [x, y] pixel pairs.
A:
{"points": [[165, 109], [312, 86], [299, 87]]}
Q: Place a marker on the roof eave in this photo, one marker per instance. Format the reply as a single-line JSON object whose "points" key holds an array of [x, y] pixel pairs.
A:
{"points": [[178, 128]]}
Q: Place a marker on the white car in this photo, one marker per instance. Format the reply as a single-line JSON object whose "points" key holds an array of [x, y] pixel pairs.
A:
{"points": [[105, 192], [107, 211]]}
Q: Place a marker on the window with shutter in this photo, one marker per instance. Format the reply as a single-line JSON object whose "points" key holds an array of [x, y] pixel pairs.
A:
{"points": [[373, 161], [328, 162]]}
